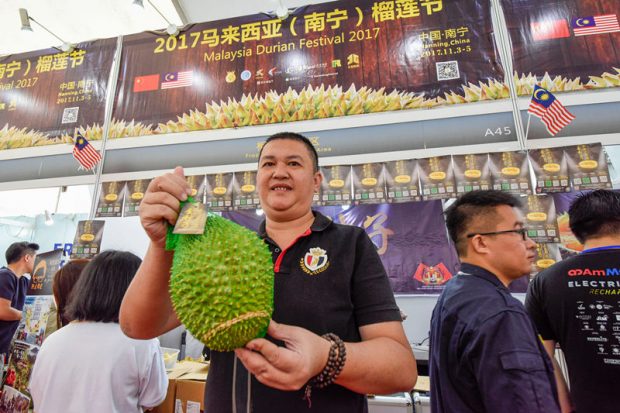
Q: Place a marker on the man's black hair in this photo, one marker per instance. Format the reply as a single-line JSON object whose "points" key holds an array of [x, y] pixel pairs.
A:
{"points": [[595, 214], [471, 206], [295, 137], [17, 250], [98, 294]]}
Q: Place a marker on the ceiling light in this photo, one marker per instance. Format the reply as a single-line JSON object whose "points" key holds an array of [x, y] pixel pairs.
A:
{"points": [[25, 21], [48, 218], [172, 28]]}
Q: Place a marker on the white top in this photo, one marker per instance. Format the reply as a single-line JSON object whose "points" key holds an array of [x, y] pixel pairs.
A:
{"points": [[93, 367]]}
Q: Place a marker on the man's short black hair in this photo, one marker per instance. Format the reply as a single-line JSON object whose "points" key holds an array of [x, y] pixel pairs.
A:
{"points": [[595, 214], [295, 137], [17, 250], [98, 294], [471, 206]]}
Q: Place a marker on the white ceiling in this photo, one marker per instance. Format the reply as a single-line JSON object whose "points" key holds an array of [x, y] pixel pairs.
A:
{"points": [[81, 20]]}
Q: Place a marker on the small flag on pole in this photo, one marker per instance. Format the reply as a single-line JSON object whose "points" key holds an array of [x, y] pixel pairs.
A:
{"points": [[549, 109], [84, 153]]}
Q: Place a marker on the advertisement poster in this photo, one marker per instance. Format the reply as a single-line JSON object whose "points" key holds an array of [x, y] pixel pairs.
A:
{"points": [[368, 183], [324, 60], [336, 185], [510, 172], [71, 86], [135, 192], [550, 169], [111, 198], [568, 242], [410, 238], [541, 220], [437, 178], [471, 172], [12, 401], [219, 191], [564, 45], [245, 195], [587, 166], [87, 241], [402, 179], [546, 256], [197, 183], [45, 266], [35, 325]]}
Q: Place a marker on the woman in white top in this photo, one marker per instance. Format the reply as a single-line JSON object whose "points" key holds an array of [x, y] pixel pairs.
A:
{"points": [[90, 365]]}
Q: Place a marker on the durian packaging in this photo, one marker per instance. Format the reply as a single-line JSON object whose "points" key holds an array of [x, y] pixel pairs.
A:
{"points": [[541, 218], [510, 172], [471, 172], [368, 183], [336, 185], [221, 283], [437, 178], [587, 167], [111, 198], [133, 198], [402, 181], [550, 169]]}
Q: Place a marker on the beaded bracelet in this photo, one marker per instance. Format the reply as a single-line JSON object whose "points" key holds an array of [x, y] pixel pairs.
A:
{"points": [[331, 371]]}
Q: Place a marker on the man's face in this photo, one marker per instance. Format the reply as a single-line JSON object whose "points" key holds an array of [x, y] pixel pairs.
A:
{"points": [[29, 260], [286, 180], [509, 253]]}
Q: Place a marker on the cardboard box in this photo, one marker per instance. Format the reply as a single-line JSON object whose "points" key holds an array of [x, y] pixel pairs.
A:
{"points": [[186, 370], [189, 396]]}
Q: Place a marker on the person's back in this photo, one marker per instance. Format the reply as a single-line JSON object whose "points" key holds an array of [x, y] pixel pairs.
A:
{"points": [[90, 365], [93, 367], [576, 303]]}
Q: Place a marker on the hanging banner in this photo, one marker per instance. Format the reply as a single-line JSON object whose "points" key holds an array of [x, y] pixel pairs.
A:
{"points": [[550, 169], [87, 240], [135, 191], [45, 266], [219, 189], [111, 198], [510, 172], [471, 172], [542, 225], [437, 178], [48, 95], [324, 60], [410, 238], [564, 45], [368, 183], [587, 166], [336, 185]]}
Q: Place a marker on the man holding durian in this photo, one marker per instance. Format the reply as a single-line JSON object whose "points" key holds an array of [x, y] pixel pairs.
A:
{"points": [[335, 333]]}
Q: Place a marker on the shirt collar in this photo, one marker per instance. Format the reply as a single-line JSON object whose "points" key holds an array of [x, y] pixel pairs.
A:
{"points": [[480, 272], [320, 223]]}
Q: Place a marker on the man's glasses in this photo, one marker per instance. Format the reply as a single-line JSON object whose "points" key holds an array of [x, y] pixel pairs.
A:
{"points": [[520, 231]]}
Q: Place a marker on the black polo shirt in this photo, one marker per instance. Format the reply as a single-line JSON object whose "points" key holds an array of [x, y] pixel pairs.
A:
{"points": [[329, 280], [485, 355]]}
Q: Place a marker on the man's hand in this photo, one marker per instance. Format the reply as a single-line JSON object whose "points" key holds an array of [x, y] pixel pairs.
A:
{"points": [[161, 203], [286, 368]]}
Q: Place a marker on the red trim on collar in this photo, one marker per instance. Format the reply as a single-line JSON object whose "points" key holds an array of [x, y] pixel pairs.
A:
{"points": [[276, 266]]}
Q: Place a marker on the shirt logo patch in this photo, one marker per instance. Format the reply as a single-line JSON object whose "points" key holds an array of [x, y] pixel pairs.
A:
{"points": [[315, 261]]}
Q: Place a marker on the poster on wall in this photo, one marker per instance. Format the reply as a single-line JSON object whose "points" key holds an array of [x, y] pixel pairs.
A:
{"points": [[336, 185], [550, 169], [402, 179], [510, 172], [368, 183], [197, 184], [245, 195], [13, 401], [569, 245], [71, 86], [471, 172], [134, 193], [410, 239], [541, 219], [564, 45], [587, 167], [87, 240], [546, 256], [219, 191], [437, 178], [111, 198], [323, 60], [45, 266]]}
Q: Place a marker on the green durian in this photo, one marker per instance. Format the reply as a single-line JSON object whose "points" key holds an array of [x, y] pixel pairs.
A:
{"points": [[221, 284]]}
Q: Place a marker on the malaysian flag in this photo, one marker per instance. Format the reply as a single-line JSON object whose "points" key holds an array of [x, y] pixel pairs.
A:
{"points": [[84, 153], [583, 26], [177, 79], [552, 113]]}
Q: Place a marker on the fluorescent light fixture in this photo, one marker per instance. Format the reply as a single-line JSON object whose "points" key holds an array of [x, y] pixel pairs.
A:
{"points": [[48, 218], [172, 28], [25, 21]]}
